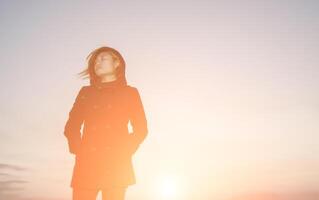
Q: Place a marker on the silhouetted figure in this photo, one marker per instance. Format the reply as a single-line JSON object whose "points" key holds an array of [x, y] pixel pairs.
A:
{"points": [[103, 152]]}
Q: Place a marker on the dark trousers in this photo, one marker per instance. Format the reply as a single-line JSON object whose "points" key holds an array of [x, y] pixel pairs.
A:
{"points": [[110, 193]]}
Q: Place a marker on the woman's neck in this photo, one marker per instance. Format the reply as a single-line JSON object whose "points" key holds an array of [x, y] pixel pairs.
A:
{"points": [[109, 78]]}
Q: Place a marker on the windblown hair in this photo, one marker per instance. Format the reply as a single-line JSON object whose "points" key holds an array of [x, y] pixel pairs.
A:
{"points": [[89, 72]]}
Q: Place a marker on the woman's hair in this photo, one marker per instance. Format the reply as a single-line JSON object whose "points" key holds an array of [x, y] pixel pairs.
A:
{"points": [[89, 72]]}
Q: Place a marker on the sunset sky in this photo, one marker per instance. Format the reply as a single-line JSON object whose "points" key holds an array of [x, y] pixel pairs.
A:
{"points": [[229, 88]]}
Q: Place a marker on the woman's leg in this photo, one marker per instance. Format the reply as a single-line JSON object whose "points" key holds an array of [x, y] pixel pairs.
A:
{"points": [[113, 193], [84, 194]]}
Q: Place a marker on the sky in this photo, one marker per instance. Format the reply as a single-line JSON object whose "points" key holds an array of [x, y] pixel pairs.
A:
{"points": [[229, 88]]}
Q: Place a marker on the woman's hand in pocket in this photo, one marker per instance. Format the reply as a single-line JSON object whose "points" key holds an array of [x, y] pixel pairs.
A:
{"points": [[132, 147], [74, 145]]}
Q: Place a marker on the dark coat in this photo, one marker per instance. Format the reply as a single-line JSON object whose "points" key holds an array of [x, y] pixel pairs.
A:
{"points": [[104, 150]]}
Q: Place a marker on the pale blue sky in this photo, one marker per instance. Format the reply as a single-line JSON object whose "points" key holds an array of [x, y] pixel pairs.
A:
{"points": [[230, 89]]}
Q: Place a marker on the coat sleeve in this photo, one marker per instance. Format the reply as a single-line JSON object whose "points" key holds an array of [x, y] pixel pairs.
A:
{"points": [[138, 119], [72, 128]]}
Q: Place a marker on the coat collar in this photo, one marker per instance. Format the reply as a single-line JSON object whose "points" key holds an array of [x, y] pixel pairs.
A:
{"points": [[110, 85]]}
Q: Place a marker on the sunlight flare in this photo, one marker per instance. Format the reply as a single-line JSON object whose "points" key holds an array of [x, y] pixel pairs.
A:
{"points": [[169, 187]]}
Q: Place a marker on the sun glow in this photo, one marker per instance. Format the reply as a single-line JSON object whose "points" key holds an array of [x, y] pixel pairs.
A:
{"points": [[169, 187]]}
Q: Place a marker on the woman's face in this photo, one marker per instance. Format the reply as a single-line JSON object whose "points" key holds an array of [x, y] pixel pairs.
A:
{"points": [[105, 64]]}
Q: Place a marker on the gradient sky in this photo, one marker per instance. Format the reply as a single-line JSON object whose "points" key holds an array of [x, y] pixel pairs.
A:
{"points": [[230, 90]]}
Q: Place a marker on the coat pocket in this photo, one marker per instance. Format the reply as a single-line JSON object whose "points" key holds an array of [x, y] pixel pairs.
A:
{"points": [[131, 145], [74, 145]]}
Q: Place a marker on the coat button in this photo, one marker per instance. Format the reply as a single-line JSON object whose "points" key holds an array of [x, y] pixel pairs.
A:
{"points": [[107, 126], [93, 149], [108, 106], [95, 106]]}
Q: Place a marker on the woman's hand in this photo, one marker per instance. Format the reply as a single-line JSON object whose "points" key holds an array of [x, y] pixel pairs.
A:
{"points": [[74, 145], [131, 145]]}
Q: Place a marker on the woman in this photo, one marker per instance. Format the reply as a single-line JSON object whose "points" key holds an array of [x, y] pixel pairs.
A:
{"points": [[104, 150]]}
